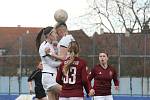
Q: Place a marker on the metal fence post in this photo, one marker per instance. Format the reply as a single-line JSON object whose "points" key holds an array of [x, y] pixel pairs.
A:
{"points": [[119, 49], [20, 63], [131, 85]]}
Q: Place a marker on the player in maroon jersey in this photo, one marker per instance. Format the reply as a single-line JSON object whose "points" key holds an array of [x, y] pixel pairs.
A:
{"points": [[72, 76], [103, 74]]}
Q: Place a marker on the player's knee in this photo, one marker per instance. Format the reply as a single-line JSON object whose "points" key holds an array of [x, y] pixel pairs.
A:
{"points": [[53, 89]]}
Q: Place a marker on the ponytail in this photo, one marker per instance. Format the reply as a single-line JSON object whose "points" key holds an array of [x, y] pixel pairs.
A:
{"points": [[44, 31], [69, 62], [73, 49], [38, 38]]}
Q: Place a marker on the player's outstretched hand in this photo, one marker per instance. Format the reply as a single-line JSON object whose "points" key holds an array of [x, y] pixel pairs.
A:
{"points": [[116, 88], [92, 92], [47, 50]]}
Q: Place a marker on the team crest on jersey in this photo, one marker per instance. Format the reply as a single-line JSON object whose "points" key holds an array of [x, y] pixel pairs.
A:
{"points": [[100, 73], [110, 73]]}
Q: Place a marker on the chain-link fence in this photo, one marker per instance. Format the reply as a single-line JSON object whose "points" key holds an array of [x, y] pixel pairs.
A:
{"points": [[129, 55]]}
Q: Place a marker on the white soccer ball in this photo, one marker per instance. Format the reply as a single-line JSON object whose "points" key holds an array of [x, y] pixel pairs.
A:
{"points": [[61, 15]]}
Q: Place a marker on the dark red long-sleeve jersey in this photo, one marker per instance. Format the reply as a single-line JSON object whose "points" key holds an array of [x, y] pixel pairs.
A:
{"points": [[102, 79], [77, 78]]}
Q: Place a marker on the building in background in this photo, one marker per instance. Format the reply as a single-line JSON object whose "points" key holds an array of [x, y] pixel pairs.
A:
{"points": [[130, 55]]}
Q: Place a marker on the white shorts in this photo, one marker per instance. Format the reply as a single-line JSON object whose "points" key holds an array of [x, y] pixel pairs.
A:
{"points": [[71, 98], [108, 97], [48, 80]]}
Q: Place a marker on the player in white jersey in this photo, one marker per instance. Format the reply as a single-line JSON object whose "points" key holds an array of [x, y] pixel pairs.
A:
{"points": [[50, 64], [66, 38]]}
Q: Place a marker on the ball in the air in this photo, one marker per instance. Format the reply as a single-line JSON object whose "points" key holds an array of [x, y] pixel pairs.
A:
{"points": [[61, 15]]}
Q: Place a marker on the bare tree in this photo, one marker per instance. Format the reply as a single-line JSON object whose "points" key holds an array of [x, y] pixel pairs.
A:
{"points": [[117, 15], [137, 14]]}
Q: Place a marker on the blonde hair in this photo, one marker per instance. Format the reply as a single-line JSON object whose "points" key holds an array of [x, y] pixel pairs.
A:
{"points": [[73, 50]]}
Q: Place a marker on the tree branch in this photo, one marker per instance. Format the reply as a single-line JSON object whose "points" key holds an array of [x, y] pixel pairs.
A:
{"points": [[136, 17], [106, 16], [121, 15]]}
